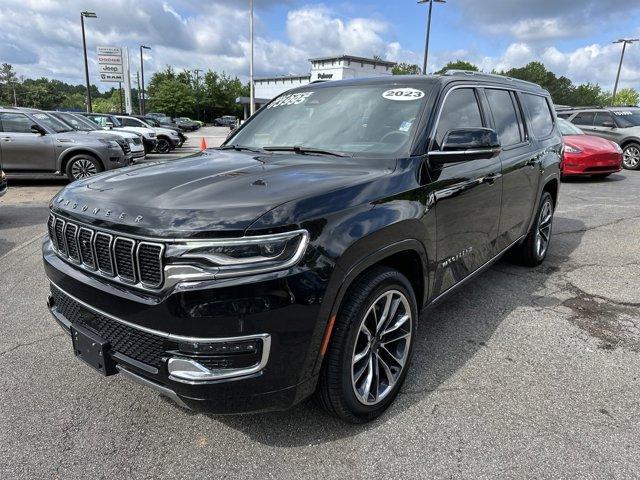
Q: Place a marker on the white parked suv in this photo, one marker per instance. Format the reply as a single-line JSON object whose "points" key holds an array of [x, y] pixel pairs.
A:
{"points": [[168, 138], [82, 124], [109, 121]]}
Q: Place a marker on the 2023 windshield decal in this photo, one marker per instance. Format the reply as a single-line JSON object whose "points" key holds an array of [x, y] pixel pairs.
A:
{"points": [[291, 99]]}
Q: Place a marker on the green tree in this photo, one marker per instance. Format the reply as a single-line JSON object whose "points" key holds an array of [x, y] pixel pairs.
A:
{"points": [[172, 97], [626, 97], [458, 65], [8, 80], [406, 69], [589, 94]]}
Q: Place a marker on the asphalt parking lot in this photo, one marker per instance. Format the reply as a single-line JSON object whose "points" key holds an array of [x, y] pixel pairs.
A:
{"points": [[524, 373]]}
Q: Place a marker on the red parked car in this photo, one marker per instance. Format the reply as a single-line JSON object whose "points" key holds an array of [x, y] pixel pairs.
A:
{"points": [[586, 154]]}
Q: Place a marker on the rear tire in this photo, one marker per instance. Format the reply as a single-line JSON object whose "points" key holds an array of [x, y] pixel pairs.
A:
{"points": [[631, 156], [369, 353], [533, 250], [82, 166]]}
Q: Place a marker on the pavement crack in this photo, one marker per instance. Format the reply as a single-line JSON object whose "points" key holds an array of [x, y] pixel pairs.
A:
{"points": [[27, 344]]}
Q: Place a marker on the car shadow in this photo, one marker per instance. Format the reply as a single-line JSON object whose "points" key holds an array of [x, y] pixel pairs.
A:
{"points": [[587, 179], [448, 337]]}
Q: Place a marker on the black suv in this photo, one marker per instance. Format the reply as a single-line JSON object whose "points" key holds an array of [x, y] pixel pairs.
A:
{"points": [[296, 258]]}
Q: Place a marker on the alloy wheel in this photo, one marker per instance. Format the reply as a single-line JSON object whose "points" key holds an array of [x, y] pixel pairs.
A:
{"points": [[83, 168], [163, 146], [543, 235], [382, 347], [631, 157]]}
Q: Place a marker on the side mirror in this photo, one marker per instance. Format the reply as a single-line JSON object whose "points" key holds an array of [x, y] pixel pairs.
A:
{"points": [[465, 144], [109, 125], [38, 129], [608, 124]]}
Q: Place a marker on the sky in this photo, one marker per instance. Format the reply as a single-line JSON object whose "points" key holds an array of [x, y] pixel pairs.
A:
{"points": [[572, 37]]}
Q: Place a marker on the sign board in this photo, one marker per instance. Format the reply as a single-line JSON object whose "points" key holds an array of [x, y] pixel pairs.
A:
{"points": [[113, 51], [111, 77], [109, 60], [109, 68]]}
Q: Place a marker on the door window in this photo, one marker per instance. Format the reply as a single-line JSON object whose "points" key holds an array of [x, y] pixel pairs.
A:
{"points": [[601, 118], [505, 117], [15, 123], [584, 118], [460, 110], [540, 116]]}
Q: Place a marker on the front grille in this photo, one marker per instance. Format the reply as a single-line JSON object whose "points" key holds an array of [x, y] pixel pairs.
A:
{"points": [[141, 346], [124, 259]]}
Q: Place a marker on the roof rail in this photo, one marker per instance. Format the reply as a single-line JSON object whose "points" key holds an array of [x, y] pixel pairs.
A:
{"points": [[472, 73], [583, 107]]}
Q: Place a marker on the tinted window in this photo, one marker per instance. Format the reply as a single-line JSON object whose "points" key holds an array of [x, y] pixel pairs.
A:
{"points": [[15, 123], [627, 118], [602, 117], [460, 110], [540, 116], [504, 116], [584, 118], [51, 122]]}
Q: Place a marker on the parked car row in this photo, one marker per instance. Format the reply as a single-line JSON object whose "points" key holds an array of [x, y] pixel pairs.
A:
{"points": [[78, 145]]}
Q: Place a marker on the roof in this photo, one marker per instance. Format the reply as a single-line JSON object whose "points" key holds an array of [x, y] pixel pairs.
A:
{"points": [[492, 77], [355, 59]]}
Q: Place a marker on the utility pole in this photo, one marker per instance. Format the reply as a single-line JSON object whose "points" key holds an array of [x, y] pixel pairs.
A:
{"points": [[142, 105], [84, 15], [624, 42], [426, 46], [252, 107], [139, 99], [197, 72]]}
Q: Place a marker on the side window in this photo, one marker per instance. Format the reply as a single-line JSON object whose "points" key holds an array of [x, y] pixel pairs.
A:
{"points": [[102, 121], [540, 116], [505, 117], [584, 118], [460, 110], [127, 122], [15, 123], [601, 118]]}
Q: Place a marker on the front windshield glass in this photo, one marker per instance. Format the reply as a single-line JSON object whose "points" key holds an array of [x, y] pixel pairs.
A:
{"points": [[74, 122], [627, 118], [365, 120], [91, 125], [52, 122], [568, 128]]}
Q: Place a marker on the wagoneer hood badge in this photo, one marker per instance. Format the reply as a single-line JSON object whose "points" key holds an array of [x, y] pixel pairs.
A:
{"points": [[95, 211]]}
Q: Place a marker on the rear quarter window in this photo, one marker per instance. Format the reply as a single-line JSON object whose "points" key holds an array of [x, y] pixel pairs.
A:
{"points": [[540, 116]]}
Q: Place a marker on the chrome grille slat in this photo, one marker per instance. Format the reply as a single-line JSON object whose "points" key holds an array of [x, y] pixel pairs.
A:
{"points": [[131, 261], [70, 237]]}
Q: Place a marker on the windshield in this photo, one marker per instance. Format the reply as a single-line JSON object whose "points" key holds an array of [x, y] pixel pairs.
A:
{"points": [[568, 128], [52, 122], [90, 125], [102, 121], [74, 122], [627, 118], [367, 120]]}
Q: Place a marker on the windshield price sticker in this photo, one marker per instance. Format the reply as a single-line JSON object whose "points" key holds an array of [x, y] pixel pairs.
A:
{"points": [[403, 94], [623, 113], [291, 99]]}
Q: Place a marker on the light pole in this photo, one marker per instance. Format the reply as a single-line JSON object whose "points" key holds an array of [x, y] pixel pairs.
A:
{"points": [[197, 72], [252, 107], [624, 42], [84, 15], [426, 46], [142, 105]]}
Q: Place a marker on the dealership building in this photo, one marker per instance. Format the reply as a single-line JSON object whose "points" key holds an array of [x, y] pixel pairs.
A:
{"points": [[322, 69]]}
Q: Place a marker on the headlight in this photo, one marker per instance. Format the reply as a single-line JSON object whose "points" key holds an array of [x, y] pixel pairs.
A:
{"points": [[109, 143], [152, 135], [571, 149], [617, 147], [243, 256]]}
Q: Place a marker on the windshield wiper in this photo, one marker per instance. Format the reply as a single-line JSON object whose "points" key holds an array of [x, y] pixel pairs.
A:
{"points": [[305, 150], [240, 148]]}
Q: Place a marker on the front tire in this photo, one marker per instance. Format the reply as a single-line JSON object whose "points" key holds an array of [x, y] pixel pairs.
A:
{"points": [[163, 145], [371, 346], [82, 166], [533, 250], [631, 156]]}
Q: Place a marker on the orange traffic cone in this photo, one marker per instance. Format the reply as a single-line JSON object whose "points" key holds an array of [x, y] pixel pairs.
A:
{"points": [[203, 144]]}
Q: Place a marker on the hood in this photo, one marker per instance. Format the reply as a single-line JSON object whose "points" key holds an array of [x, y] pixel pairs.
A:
{"points": [[141, 130], [214, 193], [590, 143]]}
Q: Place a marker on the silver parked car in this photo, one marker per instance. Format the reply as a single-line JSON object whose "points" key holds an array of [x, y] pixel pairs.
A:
{"points": [[32, 141], [619, 124]]}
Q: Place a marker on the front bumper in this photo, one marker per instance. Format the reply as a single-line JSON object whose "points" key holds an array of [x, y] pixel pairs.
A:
{"points": [[146, 333], [592, 164]]}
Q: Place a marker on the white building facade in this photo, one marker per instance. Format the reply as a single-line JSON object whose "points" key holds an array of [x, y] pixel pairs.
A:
{"points": [[340, 67]]}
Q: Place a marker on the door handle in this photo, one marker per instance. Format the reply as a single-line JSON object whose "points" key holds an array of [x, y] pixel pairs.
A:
{"points": [[6, 139], [491, 178], [531, 162]]}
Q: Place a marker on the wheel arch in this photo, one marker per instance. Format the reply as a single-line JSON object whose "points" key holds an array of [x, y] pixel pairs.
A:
{"points": [[69, 154], [627, 141]]}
